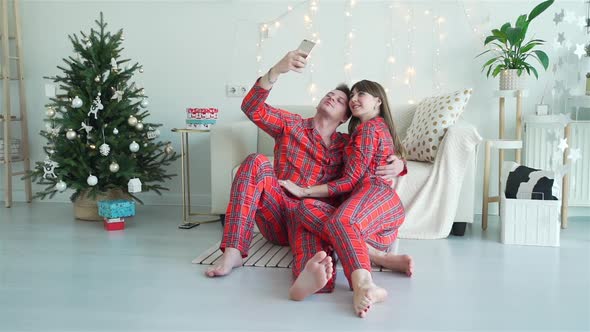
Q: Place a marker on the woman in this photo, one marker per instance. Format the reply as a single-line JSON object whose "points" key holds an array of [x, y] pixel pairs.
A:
{"points": [[373, 212]]}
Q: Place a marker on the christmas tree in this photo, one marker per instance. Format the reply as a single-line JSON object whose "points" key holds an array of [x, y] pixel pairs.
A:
{"points": [[96, 130]]}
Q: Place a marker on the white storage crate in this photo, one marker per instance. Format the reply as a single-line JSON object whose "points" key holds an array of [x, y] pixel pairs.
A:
{"points": [[530, 222]]}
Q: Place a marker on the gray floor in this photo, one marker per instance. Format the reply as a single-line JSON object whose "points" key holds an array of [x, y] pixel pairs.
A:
{"points": [[57, 274]]}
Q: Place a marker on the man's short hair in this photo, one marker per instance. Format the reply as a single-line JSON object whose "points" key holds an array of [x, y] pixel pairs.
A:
{"points": [[344, 88]]}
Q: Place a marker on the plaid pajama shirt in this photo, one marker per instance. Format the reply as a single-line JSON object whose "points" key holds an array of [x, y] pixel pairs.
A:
{"points": [[373, 212], [300, 156]]}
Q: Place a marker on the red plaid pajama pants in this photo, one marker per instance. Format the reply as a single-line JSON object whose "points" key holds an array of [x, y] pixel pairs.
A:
{"points": [[371, 215], [256, 196]]}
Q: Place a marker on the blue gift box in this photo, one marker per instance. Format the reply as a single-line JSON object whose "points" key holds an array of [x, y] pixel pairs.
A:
{"points": [[118, 208]]}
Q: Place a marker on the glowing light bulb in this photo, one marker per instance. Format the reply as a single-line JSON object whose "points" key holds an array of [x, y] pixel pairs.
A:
{"points": [[391, 59], [277, 24], [411, 101], [312, 87]]}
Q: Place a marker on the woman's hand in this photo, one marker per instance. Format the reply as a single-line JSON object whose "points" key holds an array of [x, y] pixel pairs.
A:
{"points": [[294, 189]]}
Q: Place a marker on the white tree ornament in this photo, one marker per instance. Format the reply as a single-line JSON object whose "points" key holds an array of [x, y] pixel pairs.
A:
{"points": [[114, 65], [134, 185], [87, 128], [104, 149], [96, 106], [118, 95], [49, 167]]}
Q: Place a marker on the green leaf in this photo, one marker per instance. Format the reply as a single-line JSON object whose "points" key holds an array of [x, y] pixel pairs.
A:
{"points": [[489, 70], [489, 62], [482, 53], [539, 9], [497, 70], [514, 35], [505, 26], [535, 72], [543, 58], [528, 47], [500, 34], [520, 21], [490, 39]]}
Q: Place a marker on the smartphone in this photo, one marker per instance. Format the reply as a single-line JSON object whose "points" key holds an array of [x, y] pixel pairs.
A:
{"points": [[306, 46]]}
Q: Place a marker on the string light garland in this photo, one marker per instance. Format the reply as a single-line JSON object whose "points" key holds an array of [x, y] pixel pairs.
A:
{"points": [[349, 38], [410, 72], [390, 60], [315, 37], [269, 28]]}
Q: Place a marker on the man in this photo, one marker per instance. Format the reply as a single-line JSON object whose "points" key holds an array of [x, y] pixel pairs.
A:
{"points": [[307, 152]]}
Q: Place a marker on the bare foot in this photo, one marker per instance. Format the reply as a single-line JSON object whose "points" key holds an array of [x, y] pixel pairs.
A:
{"points": [[231, 258], [364, 297], [397, 263], [315, 276]]}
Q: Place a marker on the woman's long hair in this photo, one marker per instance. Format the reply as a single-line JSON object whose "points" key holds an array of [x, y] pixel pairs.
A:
{"points": [[376, 90]]}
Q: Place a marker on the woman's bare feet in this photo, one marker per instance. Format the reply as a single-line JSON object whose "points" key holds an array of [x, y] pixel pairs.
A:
{"points": [[231, 258], [398, 263], [315, 276], [365, 292]]}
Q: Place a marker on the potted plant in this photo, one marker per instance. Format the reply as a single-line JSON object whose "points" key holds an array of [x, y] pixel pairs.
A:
{"points": [[511, 54]]}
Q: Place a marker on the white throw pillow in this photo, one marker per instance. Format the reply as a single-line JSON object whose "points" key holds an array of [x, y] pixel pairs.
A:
{"points": [[434, 115]]}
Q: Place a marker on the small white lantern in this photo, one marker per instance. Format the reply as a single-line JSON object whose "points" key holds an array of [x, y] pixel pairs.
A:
{"points": [[134, 185]]}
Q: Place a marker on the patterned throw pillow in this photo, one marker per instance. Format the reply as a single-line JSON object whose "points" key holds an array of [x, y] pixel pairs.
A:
{"points": [[522, 182], [433, 117]]}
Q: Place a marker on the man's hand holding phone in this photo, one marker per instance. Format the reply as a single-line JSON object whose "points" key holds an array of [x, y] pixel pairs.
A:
{"points": [[294, 60]]}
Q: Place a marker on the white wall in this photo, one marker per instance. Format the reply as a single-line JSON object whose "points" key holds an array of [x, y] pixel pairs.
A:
{"points": [[191, 49]]}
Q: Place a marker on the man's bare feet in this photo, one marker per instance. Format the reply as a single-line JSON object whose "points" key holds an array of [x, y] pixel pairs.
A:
{"points": [[397, 263], [231, 258], [316, 274], [365, 292]]}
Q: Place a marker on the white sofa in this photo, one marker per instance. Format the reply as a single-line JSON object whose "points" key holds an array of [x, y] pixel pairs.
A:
{"points": [[232, 142]]}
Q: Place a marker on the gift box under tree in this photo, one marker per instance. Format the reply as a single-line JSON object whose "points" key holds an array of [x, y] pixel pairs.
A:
{"points": [[118, 208]]}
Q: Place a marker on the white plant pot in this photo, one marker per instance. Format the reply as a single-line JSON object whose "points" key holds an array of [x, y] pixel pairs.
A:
{"points": [[509, 80]]}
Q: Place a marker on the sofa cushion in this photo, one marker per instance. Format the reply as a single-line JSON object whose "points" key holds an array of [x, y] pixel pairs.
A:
{"points": [[433, 116], [522, 182]]}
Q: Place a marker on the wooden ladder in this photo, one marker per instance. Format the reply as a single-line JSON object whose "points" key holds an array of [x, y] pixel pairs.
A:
{"points": [[12, 15]]}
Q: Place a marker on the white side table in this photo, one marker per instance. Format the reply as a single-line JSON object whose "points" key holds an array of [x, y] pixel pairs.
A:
{"points": [[187, 213], [502, 95]]}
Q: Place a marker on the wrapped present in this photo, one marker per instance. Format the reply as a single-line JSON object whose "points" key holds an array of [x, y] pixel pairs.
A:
{"points": [[201, 118], [116, 208], [114, 224]]}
